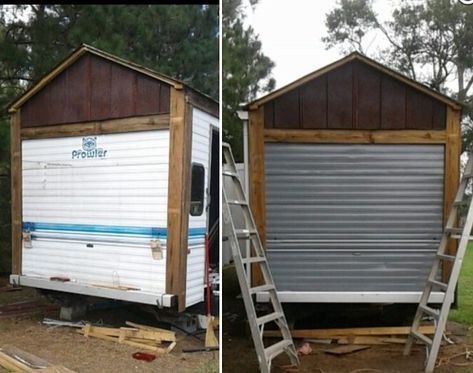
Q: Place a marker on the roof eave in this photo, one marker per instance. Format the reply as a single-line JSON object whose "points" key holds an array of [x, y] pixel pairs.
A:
{"points": [[73, 57], [353, 56]]}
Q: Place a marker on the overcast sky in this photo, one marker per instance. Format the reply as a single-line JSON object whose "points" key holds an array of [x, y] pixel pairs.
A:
{"points": [[291, 32]]}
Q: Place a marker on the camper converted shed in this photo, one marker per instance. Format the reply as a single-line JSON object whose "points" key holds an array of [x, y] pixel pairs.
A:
{"points": [[111, 164], [353, 169]]}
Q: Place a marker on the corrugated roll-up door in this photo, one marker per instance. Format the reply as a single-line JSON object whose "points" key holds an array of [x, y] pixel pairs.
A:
{"points": [[353, 217]]}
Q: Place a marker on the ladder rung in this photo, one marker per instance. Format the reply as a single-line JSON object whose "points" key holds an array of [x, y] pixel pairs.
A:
{"points": [[430, 311], [457, 231], [268, 318], [231, 174], [467, 176], [257, 289], [441, 285], [460, 203], [238, 202], [244, 233], [450, 258], [253, 259], [276, 348], [422, 337]]}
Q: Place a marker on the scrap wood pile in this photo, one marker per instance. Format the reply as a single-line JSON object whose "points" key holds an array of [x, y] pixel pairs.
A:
{"points": [[136, 335], [364, 336], [15, 360]]}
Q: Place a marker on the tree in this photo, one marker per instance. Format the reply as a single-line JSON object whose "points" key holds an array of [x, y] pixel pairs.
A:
{"points": [[246, 70], [431, 42], [177, 40]]}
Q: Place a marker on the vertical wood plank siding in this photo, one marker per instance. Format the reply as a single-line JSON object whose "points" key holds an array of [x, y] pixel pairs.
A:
{"points": [[355, 96], [95, 89]]}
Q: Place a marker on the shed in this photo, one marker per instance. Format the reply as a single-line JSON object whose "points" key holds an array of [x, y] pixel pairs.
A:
{"points": [[110, 166], [353, 169]]}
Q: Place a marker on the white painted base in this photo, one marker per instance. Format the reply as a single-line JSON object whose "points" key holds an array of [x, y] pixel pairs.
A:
{"points": [[350, 297], [160, 300]]}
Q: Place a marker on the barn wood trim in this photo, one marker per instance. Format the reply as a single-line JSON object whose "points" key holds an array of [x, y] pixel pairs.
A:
{"points": [[257, 181], [356, 136], [180, 138], [133, 124], [16, 193], [452, 177]]}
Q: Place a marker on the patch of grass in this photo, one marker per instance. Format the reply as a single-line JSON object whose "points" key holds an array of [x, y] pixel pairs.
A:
{"points": [[209, 367], [464, 313]]}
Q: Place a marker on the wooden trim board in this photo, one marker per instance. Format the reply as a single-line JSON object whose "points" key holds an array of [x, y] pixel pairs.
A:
{"points": [[257, 180], [452, 177], [133, 124], [356, 136], [346, 332], [16, 192], [180, 138]]}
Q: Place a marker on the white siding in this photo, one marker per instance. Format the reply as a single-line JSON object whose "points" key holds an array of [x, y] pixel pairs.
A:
{"points": [[201, 123], [110, 203]]}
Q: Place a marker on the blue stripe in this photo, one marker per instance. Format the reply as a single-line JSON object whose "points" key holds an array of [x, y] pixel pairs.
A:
{"points": [[143, 231]]}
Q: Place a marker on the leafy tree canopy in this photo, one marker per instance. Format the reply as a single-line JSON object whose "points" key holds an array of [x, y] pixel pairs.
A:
{"points": [[177, 40], [246, 70], [430, 41]]}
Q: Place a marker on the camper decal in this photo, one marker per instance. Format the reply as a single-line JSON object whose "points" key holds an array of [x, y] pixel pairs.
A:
{"points": [[89, 149]]}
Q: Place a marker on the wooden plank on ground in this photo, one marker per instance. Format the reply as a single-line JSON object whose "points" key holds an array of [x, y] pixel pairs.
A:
{"points": [[170, 335], [31, 360], [145, 339], [56, 369], [345, 332], [12, 364], [370, 340], [348, 349]]}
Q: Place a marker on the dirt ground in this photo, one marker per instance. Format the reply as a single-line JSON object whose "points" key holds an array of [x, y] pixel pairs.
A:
{"points": [[239, 354], [64, 346]]}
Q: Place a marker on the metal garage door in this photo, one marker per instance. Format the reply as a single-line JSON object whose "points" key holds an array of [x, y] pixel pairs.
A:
{"points": [[353, 217]]}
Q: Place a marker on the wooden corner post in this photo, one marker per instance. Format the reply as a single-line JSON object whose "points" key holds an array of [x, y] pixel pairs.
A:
{"points": [[16, 191], [452, 176], [180, 138], [257, 180]]}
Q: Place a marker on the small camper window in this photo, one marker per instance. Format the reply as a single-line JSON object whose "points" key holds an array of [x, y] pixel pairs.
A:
{"points": [[197, 189]]}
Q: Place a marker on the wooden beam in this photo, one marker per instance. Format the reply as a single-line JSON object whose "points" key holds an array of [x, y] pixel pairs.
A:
{"points": [[133, 124], [452, 177], [16, 192], [180, 141], [356, 136], [345, 332], [257, 179], [203, 102]]}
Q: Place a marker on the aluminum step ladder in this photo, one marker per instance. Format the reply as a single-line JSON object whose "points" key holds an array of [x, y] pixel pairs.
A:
{"points": [[239, 225], [440, 316]]}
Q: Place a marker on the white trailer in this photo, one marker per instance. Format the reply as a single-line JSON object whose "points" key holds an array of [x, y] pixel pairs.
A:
{"points": [[114, 192]]}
